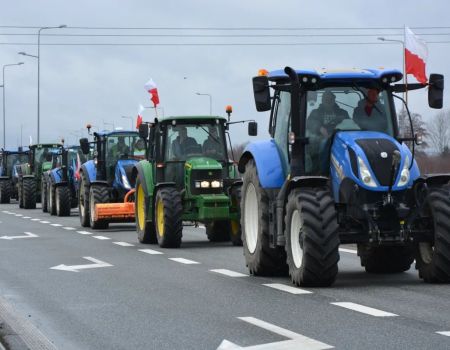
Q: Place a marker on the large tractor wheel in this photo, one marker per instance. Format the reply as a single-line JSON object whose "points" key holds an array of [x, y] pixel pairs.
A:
{"points": [[312, 239], [29, 193], [83, 201], [260, 258], [386, 259], [218, 231], [433, 258], [5, 192], [62, 201], [44, 194], [144, 227], [168, 217], [235, 225], [51, 200], [20, 193], [97, 195]]}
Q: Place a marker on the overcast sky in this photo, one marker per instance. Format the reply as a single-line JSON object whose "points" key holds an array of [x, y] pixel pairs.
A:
{"points": [[100, 84]]}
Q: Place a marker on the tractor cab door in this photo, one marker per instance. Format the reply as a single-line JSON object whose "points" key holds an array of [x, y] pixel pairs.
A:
{"points": [[280, 127]]}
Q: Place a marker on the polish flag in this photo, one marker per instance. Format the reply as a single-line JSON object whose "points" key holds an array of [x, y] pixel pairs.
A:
{"points": [[150, 86], [139, 116], [77, 171], [416, 54]]}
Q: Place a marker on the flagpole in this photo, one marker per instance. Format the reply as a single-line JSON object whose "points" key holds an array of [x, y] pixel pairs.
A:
{"points": [[404, 64], [156, 111]]}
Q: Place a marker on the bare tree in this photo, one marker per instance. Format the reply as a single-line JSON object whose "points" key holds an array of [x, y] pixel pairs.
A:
{"points": [[418, 124], [439, 132]]}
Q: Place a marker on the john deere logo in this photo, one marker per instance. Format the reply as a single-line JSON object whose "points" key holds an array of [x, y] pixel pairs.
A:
{"points": [[383, 155], [210, 173]]}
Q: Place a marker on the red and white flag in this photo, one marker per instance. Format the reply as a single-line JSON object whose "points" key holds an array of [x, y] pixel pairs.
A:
{"points": [[139, 116], [416, 54], [150, 86]]}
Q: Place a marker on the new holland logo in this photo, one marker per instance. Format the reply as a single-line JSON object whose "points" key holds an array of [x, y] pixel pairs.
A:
{"points": [[383, 155]]}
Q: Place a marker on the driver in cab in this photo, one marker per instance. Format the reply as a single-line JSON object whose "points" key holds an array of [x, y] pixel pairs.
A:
{"points": [[183, 144], [120, 148]]}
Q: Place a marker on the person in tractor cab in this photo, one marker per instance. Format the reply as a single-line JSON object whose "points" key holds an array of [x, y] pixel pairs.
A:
{"points": [[212, 146], [369, 114], [184, 144], [120, 148]]}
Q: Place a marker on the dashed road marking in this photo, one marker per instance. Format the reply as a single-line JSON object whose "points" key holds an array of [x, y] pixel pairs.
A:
{"points": [[102, 238], [84, 232], [69, 228], [26, 217], [446, 333], [35, 219], [184, 261], [44, 222], [18, 214], [124, 244], [56, 225], [229, 273], [150, 251], [288, 289], [345, 250], [364, 309]]}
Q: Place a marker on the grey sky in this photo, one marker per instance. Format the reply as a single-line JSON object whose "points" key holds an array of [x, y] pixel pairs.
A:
{"points": [[81, 84]]}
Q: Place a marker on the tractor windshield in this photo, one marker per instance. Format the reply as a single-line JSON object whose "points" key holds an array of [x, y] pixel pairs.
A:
{"points": [[124, 146], [15, 159], [190, 140], [43, 154]]}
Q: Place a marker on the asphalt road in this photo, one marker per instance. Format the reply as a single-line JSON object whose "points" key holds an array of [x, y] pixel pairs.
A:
{"points": [[196, 297]]}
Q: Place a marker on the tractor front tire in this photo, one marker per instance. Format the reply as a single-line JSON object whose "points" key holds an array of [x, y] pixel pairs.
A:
{"points": [[312, 239], [5, 192], [144, 227], [83, 201], [97, 195], [433, 258], [385, 259], [44, 194], [20, 193], [29, 193], [235, 225], [63, 201], [261, 259], [51, 200], [218, 231], [168, 217]]}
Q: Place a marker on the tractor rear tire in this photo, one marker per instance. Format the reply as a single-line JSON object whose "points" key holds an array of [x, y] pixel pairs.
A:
{"points": [[83, 201], [386, 259], [144, 227], [62, 201], [97, 195], [168, 217], [29, 193], [218, 231], [312, 239], [5, 192], [51, 200], [235, 225], [433, 259], [44, 193], [261, 259], [20, 193]]}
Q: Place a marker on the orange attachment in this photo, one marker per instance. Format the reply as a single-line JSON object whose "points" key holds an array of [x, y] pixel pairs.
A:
{"points": [[119, 212]]}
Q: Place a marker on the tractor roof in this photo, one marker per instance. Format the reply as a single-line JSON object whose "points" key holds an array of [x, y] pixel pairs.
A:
{"points": [[117, 132], [339, 74], [194, 118], [49, 145]]}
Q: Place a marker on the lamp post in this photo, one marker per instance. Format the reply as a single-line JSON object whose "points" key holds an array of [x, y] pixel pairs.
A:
{"points": [[131, 118], [112, 124], [4, 100], [210, 101]]}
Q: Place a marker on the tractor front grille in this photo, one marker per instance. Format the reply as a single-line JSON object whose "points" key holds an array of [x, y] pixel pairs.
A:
{"points": [[206, 175]]}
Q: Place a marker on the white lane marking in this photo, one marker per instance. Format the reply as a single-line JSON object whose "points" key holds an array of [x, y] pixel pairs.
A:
{"points": [[150, 251], [84, 232], [11, 213], [364, 309], [44, 222], [56, 225], [184, 261], [296, 341], [35, 219], [18, 214], [229, 273], [285, 288], [77, 268], [5, 211], [69, 228], [101, 237], [26, 217], [27, 235], [124, 244], [446, 333], [345, 250]]}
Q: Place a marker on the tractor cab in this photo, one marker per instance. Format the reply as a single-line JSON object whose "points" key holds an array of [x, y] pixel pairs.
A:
{"points": [[8, 173]]}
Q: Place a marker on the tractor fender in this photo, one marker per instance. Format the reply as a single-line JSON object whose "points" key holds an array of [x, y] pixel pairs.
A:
{"points": [[4, 178], [90, 170], [144, 172], [433, 180], [268, 163], [100, 183]]}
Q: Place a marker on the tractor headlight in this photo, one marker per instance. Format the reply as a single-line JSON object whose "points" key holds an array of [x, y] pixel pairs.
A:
{"points": [[216, 184], [364, 174], [204, 184], [125, 182], [404, 175]]}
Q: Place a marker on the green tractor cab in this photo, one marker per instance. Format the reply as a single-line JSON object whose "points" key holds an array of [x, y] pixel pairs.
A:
{"points": [[187, 176], [8, 174]]}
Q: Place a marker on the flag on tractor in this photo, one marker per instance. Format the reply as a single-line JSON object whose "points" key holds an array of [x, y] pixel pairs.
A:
{"points": [[139, 116], [150, 86], [416, 54]]}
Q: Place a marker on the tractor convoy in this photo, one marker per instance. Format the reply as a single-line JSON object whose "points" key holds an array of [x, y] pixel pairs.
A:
{"points": [[335, 170]]}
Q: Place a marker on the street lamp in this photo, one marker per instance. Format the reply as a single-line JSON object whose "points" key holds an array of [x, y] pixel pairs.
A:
{"points": [[131, 118], [39, 74], [210, 101], [112, 124], [4, 101]]}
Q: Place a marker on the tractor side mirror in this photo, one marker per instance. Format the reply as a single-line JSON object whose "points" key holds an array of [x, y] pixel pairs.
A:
{"points": [[84, 145], [436, 91], [262, 93], [143, 131], [252, 128]]}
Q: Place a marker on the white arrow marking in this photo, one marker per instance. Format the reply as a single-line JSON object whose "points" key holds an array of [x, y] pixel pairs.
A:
{"points": [[296, 341], [27, 235], [77, 268]]}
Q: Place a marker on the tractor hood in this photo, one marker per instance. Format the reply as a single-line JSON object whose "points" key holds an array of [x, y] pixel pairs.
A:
{"points": [[366, 158], [122, 174], [203, 163]]}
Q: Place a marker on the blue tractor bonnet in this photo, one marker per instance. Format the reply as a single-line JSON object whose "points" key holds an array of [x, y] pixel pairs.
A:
{"points": [[123, 174]]}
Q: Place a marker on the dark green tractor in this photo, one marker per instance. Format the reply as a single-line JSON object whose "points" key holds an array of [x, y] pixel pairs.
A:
{"points": [[8, 174], [30, 184]]}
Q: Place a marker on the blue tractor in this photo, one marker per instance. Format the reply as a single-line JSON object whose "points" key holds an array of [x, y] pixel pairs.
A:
{"points": [[106, 181], [336, 171]]}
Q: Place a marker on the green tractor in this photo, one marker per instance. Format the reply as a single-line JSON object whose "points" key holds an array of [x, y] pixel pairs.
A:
{"points": [[30, 180], [187, 176], [8, 174]]}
